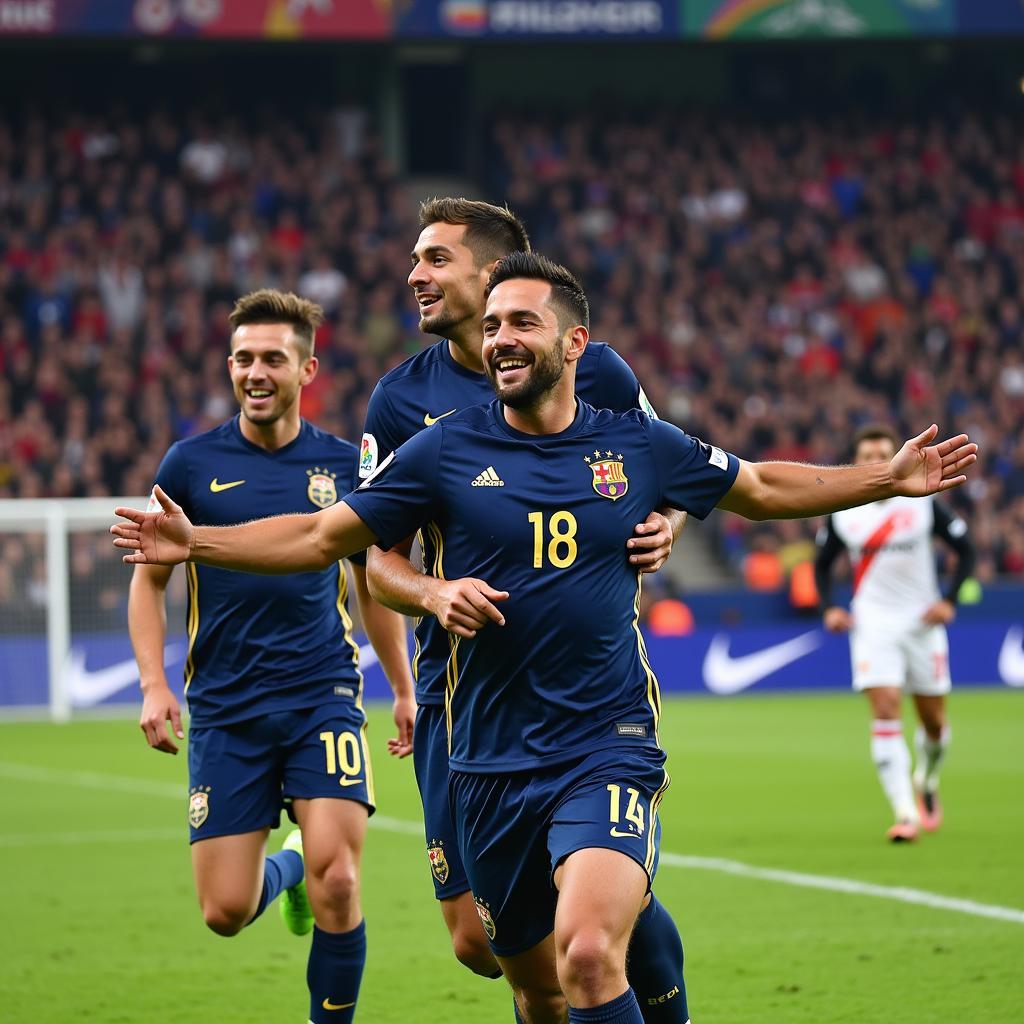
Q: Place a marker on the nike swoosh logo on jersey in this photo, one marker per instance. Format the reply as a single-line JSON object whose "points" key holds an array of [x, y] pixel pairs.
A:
{"points": [[431, 420], [218, 487], [725, 674], [328, 1005], [1011, 657], [87, 687], [349, 782], [622, 835]]}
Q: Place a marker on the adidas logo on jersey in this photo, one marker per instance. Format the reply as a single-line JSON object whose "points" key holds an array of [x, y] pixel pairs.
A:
{"points": [[488, 478]]}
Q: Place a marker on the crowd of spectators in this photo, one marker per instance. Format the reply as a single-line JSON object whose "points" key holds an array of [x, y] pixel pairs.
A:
{"points": [[777, 285], [773, 285]]}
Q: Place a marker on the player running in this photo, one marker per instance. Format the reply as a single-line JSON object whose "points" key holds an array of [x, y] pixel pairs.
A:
{"points": [[456, 251], [898, 629], [552, 708], [272, 675]]}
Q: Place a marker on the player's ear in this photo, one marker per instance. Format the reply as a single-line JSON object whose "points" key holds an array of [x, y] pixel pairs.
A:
{"points": [[576, 339], [309, 370]]}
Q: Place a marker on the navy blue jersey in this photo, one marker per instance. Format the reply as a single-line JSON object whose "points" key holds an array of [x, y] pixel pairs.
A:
{"points": [[547, 519], [261, 644], [431, 386]]}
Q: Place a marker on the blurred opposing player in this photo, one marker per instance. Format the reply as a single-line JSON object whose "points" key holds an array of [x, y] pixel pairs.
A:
{"points": [[556, 769], [897, 625], [457, 248], [272, 676]]}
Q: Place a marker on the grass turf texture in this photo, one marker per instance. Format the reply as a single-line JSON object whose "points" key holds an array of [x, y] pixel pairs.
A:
{"points": [[101, 923]]}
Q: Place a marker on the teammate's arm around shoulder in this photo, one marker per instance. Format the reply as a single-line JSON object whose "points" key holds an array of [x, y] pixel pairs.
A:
{"points": [[386, 631], [147, 627]]}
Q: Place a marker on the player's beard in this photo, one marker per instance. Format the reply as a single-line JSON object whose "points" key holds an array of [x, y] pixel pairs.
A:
{"points": [[545, 373]]}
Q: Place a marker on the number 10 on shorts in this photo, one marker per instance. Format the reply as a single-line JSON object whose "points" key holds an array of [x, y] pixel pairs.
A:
{"points": [[344, 752]]}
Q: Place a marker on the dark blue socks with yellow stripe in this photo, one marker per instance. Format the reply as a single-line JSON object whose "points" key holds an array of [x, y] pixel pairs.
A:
{"points": [[281, 871], [335, 969], [654, 967], [624, 1010]]}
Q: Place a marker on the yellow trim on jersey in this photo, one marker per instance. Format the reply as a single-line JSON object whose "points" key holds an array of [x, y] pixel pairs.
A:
{"points": [[432, 532], [653, 821], [653, 689], [191, 619], [346, 621]]}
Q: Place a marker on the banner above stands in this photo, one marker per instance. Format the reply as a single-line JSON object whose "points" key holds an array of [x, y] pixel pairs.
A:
{"points": [[510, 19], [721, 661]]}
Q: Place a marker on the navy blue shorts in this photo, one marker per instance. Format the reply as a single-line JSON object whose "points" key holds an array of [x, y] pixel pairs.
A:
{"points": [[430, 759], [514, 831], [241, 776]]}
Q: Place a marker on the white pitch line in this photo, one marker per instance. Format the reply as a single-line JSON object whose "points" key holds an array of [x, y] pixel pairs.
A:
{"points": [[852, 886], [827, 883]]}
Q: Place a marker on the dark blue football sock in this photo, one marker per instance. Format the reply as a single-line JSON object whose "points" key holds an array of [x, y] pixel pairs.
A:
{"points": [[335, 969], [281, 871], [654, 967], [624, 1010]]}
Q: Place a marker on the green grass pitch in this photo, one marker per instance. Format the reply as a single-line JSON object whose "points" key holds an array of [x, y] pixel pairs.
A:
{"points": [[100, 922]]}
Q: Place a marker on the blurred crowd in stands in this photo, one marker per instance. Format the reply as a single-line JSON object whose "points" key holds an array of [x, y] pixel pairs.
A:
{"points": [[773, 286]]}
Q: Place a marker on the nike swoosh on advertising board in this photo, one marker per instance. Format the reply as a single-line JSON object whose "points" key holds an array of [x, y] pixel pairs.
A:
{"points": [[1011, 657], [90, 686], [726, 674]]}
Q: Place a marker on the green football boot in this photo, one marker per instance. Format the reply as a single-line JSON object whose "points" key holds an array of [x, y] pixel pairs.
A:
{"points": [[294, 903]]}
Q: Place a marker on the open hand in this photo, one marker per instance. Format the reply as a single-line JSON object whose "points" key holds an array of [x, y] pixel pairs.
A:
{"points": [[164, 537], [920, 468], [837, 620]]}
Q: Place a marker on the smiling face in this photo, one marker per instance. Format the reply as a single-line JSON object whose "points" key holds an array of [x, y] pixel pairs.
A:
{"points": [[525, 349], [445, 278], [268, 369]]}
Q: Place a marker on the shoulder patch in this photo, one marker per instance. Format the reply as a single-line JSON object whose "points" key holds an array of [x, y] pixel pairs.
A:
{"points": [[380, 469], [645, 405], [367, 455]]}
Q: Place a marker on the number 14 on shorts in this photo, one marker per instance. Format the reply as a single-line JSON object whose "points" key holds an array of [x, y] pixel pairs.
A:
{"points": [[634, 816]]}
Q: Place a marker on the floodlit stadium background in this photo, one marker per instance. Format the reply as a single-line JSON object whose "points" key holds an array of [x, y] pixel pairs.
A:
{"points": [[791, 216]]}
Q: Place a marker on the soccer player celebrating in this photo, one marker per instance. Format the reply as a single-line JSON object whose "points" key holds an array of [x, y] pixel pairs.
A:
{"points": [[272, 675], [454, 255], [552, 708], [898, 629]]}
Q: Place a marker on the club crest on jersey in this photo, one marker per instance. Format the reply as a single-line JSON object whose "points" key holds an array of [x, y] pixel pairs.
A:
{"points": [[198, 805], [438, 861], [484, 913], [609, 477], [321, 490]]}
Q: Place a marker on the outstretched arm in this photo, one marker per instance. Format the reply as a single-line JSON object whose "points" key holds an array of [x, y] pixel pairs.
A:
{"points": [[790, 490], [280, 545]]}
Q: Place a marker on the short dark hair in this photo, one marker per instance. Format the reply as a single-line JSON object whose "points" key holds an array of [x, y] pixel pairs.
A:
{"points": [[875, 432], [269, 306], [491, 231], [567, 294]]}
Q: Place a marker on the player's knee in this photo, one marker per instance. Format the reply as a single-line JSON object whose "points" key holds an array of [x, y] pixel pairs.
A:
{"points": [[225, 919], [541, 1005], [335, 887], [588, 960], [472, 951]]}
